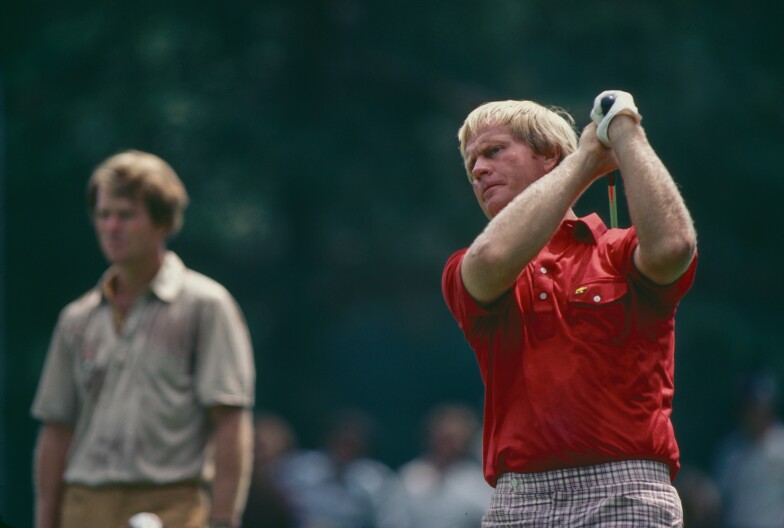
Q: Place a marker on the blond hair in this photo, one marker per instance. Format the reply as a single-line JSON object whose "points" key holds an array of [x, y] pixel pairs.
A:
{"points": [[132, 174], [546, 129]]}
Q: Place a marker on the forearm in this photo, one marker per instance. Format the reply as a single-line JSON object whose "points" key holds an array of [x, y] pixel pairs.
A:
{"points": [[49, 465], [517, 233], [233, 460], [667, 238]]}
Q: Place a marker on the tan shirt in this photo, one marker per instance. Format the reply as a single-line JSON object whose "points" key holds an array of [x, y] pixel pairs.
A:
{"points": [[138, 397]]}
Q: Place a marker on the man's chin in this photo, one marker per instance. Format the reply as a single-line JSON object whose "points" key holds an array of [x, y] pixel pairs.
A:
{"points": [[492, 208], [114, 257]]}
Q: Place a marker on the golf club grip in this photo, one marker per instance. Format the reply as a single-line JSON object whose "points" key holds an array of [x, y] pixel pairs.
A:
{"points": [[606, 103]]}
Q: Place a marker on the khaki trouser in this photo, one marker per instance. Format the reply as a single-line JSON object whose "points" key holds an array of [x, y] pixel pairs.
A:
{"points": [[178, 505]]}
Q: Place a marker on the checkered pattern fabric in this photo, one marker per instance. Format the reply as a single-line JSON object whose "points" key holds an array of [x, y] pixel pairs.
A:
{"points": [[626, 494]]}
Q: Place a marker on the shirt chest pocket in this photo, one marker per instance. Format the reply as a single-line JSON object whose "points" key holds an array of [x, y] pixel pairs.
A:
{"points": [[598, 311]]}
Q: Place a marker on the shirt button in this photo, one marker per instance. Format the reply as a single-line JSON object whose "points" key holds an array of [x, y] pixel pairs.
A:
{"points": [[543, 270], [596, 298], [543, 296]]}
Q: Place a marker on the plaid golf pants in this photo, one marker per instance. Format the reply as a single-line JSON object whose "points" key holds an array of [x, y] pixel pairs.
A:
{"points": [[626, 494]]}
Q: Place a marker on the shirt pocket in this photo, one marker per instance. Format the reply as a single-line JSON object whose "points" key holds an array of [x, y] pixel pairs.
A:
{"points": [[166, 369], [598, 311]]}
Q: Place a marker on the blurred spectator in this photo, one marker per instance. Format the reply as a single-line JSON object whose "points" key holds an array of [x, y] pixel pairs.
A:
{"points": [[147, 392], [445, 484], [750, 462], [267, 505], [700, 498], [340, 486]]}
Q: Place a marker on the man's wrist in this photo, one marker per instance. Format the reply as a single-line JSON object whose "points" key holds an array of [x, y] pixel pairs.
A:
{"points": [[622, 126]]}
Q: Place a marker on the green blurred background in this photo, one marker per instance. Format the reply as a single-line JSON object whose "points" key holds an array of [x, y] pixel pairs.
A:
{"points": [[317, 141]]}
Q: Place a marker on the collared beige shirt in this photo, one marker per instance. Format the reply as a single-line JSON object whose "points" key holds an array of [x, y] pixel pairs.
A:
{"points": [[138, 397]]}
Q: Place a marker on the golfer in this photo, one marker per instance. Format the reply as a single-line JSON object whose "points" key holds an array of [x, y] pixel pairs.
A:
{"points": [[572, 323]]}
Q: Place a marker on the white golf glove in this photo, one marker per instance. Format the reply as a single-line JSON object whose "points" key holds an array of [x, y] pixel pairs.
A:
{"points": [[615, 102]]}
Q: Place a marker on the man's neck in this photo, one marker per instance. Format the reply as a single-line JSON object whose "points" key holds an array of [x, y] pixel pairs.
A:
{"points": [[131, 279]]}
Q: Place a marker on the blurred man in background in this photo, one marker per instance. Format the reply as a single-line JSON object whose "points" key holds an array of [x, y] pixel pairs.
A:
{"points": [[149, 380], [750, 461], [572, 323], [268, 506], [445, 484], [340, 484]]}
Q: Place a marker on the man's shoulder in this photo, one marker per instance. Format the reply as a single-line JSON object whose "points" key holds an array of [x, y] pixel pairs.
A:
{"points": [[205, 294], [82, 306], [452, 261], [176, 280], [201, 286], [457, 254]]}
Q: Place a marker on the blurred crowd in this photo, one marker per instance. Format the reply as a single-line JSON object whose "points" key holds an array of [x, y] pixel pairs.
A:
{"points": [[340, 484], [745, 487]]}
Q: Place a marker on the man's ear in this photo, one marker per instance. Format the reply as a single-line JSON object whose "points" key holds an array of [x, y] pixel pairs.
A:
{"points": [[552, 159]]}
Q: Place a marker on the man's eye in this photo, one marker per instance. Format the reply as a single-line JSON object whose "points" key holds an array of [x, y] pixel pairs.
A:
{"points": [[492, 151]]}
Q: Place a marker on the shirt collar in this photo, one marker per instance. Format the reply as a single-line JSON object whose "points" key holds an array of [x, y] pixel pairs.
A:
{"points": [[166, 284], [586, 229]]}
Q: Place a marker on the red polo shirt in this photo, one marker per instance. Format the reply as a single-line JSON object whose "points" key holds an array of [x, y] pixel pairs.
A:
{"points": [[577, 358]]}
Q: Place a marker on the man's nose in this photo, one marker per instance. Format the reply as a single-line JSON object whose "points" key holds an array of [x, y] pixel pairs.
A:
{"points": [[110, 222], [480, 170]]}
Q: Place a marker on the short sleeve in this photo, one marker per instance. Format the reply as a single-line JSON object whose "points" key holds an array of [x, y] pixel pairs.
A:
{"points": [[466, 311], [621, 252], [668, 295], [56, 397], [225, 369]]}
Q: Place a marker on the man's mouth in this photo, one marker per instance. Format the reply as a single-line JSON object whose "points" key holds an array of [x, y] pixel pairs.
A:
{"points": [[113, 242], [487, 190]]}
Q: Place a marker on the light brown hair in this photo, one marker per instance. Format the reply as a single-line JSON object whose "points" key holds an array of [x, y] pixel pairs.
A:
{"points": [[132, 174]]}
